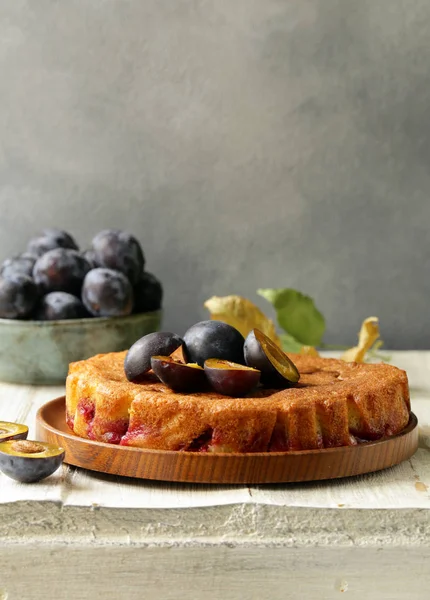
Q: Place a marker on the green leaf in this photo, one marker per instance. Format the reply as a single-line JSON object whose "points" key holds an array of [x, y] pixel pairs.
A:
{"points": [[297, 315], [290, 344]]}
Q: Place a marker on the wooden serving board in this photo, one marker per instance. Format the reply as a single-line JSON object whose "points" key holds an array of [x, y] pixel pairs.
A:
{"points": [[194, 467]]}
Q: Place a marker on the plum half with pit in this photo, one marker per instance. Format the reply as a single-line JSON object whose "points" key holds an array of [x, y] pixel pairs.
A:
{"points": [[138, 359], [18, 297], [107, 293], [50, 239], [57, 306], [12, 431], [119, 250], [231, 379], [261, 353], [28, 461], [213, 339], [61, 270], [148, 294], [178, 376]]}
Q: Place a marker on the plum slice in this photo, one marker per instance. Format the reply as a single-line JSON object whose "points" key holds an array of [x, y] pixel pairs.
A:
{"points": [[178, 376], [12, 431], [28, 461], [231, 379], [263, 354]]}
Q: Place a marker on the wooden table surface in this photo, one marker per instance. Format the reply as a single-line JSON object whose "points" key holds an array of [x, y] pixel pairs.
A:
{"points": [[368, 536]]}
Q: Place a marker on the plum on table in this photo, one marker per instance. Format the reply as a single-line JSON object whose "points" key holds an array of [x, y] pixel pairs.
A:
{"points": [[12, 431], [28, 461]]}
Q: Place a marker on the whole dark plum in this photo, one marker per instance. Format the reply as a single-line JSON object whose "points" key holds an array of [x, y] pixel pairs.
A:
{"points": [[18, 297], [213, 339], [138, 359], [148, 294], [50, 239], [90, 257], [107, 293], [119, 250], [18, 265], [60, 305], [60, 270]]}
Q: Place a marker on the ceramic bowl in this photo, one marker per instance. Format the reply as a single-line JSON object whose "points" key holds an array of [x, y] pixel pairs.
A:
{"points": [[39, 352]]}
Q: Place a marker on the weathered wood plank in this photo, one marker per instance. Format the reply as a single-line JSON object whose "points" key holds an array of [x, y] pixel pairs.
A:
{"points": [[40, 572]]}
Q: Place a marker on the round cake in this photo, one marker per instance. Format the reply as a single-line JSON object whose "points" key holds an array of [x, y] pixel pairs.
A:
{"points": [[335, 403]]}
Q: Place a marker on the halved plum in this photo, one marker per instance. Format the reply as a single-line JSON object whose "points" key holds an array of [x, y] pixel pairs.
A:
{"points": [[263, 354], [29, 461], [231, 379], [12, 431], [138, 359], [178, 376]]}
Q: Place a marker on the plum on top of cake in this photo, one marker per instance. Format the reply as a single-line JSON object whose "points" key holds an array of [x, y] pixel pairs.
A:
{"points": [[213, 391]]}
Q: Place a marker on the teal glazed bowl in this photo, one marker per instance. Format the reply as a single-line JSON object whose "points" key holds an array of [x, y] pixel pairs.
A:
{"points": [[39, 352]]}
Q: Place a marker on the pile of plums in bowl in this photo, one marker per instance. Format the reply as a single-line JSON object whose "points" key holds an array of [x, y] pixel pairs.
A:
{"points": [[211, 355], [54, 280], [60, 304]]}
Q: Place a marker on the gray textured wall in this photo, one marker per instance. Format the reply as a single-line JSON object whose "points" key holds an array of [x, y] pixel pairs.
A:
{"points": [[248, 143]]}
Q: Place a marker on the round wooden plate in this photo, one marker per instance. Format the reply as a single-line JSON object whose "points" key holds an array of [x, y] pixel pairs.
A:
{"points": [[194, 467]]}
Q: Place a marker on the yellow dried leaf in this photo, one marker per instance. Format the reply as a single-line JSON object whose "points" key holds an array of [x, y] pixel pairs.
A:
{"points": [[309, 351], [241, 314], [368, 335]]}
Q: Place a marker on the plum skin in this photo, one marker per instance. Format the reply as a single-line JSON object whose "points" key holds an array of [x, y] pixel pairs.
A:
{"points": [[255, 356], [231, 379], [61, 270], [90, 257], [18, 265], [107, 293], [178, 376], [49, 240], [213, 339], [148, 294], [119, 250], [138, 359], [18, 297], [58, 306]]}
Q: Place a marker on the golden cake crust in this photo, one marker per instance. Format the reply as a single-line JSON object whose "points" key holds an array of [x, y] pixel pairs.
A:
{"points": [[334, 404]]}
